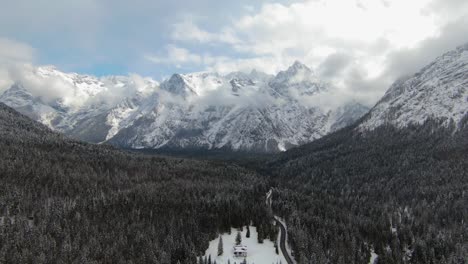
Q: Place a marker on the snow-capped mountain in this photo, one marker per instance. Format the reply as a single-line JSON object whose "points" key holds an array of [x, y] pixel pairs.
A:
{"points": [[239, 111], [297, 80], [55, 98], [438, 92], [23, 101]]}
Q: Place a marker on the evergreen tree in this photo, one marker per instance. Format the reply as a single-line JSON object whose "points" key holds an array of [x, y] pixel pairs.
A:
{"points": [[238, 238], [260, 234], [220, 246]]}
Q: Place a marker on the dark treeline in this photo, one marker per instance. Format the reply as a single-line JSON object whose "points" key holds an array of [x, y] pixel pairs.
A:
{"points": [[402, 193], [68, 202]]}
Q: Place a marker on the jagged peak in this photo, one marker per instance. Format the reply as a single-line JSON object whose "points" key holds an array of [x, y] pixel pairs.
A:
{"points": [[297, 65], [17, 86], [176, 77], [14, 89], [254, 72], [178, 85], [296, 68]]}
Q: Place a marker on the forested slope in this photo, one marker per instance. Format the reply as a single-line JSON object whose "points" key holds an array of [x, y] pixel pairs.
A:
{"points": [[64, 201], [401, 192]]}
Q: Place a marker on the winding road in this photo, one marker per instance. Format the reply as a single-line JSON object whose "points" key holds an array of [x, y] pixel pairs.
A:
{"points": [[283, 243], [283, 233]]}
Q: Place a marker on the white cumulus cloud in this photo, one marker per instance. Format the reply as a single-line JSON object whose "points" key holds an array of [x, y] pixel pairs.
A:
{"points": [[356, 44]]}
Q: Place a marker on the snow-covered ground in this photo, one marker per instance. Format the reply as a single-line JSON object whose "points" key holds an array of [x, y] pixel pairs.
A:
{"points": [[373, 258], [257, 253]]}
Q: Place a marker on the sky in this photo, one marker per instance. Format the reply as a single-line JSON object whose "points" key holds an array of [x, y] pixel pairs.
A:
{"points": [[360, 45]]}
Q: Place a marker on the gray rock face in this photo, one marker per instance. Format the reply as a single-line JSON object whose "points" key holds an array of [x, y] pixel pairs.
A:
{"points": [[439, 91], [238, 111]]}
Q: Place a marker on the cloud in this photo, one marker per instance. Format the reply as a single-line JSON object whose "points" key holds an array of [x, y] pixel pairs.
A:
{"points": [[302, 27], [409, 60], [267, 64], [13, 54], [12, 51], [186, 30], [334, 64], [180, 57], [222, 96], [361, 46], [447, 10], [175, 55], [16, 65], [48, 88], [116, 93], [398, 63]]}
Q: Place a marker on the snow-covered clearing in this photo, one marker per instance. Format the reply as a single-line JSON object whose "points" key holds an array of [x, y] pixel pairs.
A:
{"points": [[373, 258], [257, 253]]}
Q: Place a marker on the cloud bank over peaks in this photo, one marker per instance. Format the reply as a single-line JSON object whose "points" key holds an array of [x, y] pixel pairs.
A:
{"points": [[240, 88], [359, 46]]}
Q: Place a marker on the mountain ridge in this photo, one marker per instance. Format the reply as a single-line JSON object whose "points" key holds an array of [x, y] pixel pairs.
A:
{"points": [[404, 176], [438, 91], [238, 111]]}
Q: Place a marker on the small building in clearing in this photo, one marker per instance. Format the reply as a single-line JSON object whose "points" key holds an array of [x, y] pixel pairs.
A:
{"points": [[240, 251]]}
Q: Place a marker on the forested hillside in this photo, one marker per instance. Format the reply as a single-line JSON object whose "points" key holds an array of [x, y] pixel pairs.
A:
{"points": [[64, 201], [402, 193]]}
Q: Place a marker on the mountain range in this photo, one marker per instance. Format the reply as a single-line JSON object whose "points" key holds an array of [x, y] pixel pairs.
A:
{"points": [[236, 111]]}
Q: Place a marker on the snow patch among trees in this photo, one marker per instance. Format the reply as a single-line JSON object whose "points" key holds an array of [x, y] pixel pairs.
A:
{"points": [[256, 253]]}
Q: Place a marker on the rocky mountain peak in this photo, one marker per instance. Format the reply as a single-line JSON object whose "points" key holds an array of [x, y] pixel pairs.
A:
{"points": [[248, 119], [177, 85], [298, 79], [439, 91]]}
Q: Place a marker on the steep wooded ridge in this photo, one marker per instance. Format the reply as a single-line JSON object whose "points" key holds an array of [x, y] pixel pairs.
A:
{"points": [[63, 201], [252, 112], [395, 181], [400, 192]]}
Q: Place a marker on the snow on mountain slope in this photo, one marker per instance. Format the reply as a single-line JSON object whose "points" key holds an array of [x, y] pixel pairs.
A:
{"points": [[54, 98], [249, 128], [439, 91], [73, 89], [297, 80], [24, 102], [240, 111], [77, 105]]}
